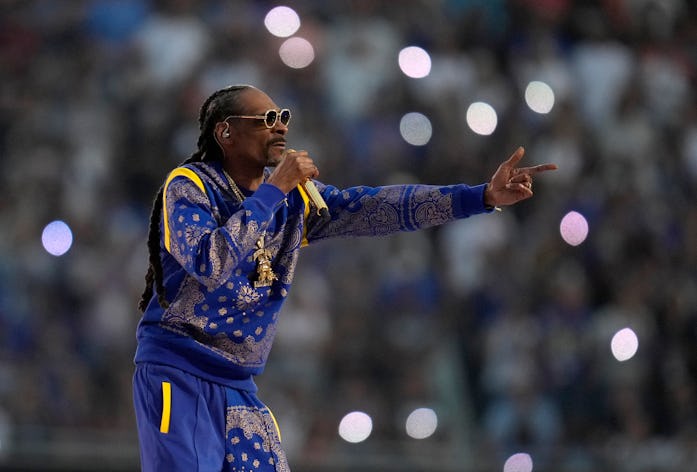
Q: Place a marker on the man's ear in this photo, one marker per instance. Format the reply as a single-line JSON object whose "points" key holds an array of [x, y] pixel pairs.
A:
{"points": [[222, 131]]}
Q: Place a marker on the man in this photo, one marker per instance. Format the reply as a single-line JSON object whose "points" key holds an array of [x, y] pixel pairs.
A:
{"points": [[224, 238]]}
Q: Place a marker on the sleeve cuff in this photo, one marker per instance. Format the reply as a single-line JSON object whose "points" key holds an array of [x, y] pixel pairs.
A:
{"points": [[485, 208]]}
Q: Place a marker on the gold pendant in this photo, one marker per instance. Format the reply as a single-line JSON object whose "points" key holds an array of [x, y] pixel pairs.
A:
{"points": [[265, 275]]}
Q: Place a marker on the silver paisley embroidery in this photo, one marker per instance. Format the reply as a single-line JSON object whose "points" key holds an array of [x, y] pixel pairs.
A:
{"points": [[386, 210], [185, 316], [433, 208], [247, 298], [255, 422]]}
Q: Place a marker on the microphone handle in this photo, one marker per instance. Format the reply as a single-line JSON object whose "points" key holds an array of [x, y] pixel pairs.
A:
{"points": [[313, 193], [317, 200]]}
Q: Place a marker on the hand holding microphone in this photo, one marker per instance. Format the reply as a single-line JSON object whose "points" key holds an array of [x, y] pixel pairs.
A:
{"points": [[311, 190]]}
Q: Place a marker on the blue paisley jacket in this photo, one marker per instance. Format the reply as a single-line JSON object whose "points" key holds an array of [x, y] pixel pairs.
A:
{"points": [[218, 324]]}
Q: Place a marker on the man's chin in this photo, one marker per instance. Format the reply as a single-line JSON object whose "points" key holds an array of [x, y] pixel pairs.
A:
{"points": [[275, 156]]}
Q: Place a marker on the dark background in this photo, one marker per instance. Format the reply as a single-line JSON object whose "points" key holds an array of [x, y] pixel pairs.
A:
{"points": [[494, 322]]}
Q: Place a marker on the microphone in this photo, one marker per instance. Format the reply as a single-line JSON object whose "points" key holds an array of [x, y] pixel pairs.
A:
{"points": [[317, 200], [309, 186]]}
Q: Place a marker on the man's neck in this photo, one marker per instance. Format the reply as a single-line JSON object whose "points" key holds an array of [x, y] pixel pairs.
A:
{"points": [[248, 180]]}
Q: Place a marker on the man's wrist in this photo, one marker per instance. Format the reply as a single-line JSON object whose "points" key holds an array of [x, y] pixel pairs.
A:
{"points": [[487, 197], [489, 205]]}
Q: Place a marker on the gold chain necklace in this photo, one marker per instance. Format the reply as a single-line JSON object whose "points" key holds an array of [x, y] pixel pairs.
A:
{"points": [[233, 186], [265, 273]]}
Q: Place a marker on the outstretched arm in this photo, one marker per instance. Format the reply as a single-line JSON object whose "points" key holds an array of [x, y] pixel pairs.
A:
{"points": [[511, 184]]}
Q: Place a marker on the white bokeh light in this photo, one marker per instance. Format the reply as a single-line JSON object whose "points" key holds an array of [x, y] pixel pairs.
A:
{"points": [[282, 21], [414, 62], [482, 118], [297, 52], [520, 462], [624, 344], [415, 128], [539, 96], [573, 228], [57, 238], [355, 427], [421, 423]]}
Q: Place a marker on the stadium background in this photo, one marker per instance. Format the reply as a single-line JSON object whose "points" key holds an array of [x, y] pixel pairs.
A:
{"points": [[495, 323]]}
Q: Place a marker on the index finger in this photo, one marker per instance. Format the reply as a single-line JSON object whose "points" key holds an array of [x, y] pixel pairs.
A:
{"points": [[537, 169]]}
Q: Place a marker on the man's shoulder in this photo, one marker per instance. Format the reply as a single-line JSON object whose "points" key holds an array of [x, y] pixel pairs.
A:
{"points": [[202, 173]]}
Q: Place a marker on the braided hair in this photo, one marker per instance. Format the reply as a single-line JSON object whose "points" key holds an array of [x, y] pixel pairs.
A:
{"points": [[220, 104]]}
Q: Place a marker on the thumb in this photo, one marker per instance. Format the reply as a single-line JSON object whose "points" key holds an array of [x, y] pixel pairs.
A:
{"points": [[515, 157]]}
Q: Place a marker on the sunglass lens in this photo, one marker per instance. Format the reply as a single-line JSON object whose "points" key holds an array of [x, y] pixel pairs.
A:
{"points": [[285, 116], [271, 118]]}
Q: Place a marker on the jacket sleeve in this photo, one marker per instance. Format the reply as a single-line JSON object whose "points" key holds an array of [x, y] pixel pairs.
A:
{"points": [[377, 211]]}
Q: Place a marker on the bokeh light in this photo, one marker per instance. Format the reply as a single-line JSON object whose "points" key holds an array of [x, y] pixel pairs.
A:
{"points": [[482, 118], [57, 238], [520, 462], [573, 228], [624, 344], [421, 423], [282, 21], [355, 427], [539, 96], [414, 62], [415, 128], [297, 53]]}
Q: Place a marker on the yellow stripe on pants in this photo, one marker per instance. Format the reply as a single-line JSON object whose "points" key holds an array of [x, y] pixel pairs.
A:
{"points": [[166, 407]]}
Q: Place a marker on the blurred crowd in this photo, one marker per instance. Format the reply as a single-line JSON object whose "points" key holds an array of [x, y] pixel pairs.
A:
{"points": [[494, 321]]}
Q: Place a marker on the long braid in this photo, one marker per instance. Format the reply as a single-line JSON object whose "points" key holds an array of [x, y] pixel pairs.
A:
{"points": [[220, 104], [154, 273]]}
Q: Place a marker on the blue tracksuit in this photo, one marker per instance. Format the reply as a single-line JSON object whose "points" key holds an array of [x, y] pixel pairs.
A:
{"points": [[196, 360]]}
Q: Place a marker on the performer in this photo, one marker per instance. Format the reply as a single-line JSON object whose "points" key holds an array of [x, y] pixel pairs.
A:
{"points": [[225, 233]]}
